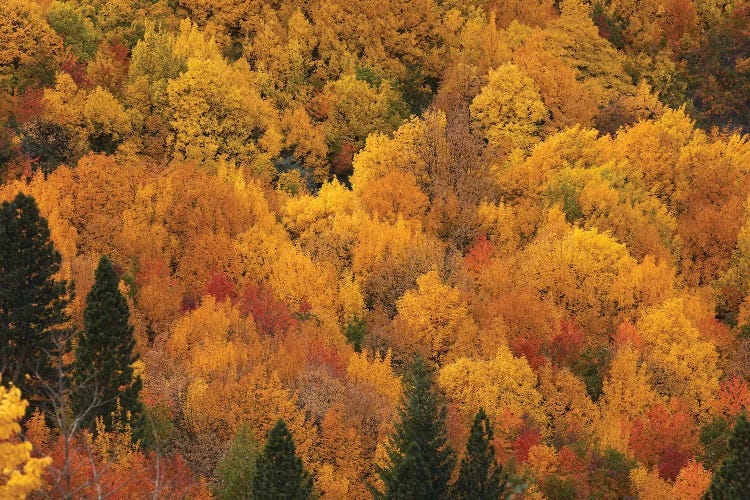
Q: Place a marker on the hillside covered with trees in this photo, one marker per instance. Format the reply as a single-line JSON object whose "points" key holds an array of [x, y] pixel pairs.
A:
{"points": [[403, 249]]}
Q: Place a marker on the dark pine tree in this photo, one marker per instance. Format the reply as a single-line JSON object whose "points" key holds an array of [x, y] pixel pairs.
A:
{"points": [[103, 372], [732, 481], [422, 422], [479, 477], [411, 478], [279, 471], [34, 324]]}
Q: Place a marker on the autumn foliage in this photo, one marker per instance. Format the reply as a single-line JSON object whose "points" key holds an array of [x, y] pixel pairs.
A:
{"points": [[548, 202]]}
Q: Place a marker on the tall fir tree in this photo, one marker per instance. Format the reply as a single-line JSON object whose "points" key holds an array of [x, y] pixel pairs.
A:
{"points": [[479, 477], [34, 323], [411, 477], [422, 422], [732, 481], [103, 381], [279, 471]]}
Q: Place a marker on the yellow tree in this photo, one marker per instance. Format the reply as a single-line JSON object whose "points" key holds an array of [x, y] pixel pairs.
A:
{"points": [[502, 385], [29, 47], [587, 273], [509, 111], [217, 111], [388, 259], [435, 318], [679, 361], [626, 395], [19, 473]]}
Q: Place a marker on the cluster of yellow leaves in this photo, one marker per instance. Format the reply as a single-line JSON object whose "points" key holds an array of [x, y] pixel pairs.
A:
{"points": [[503, 384], [680, 362], [19, 473], [376, 374], [435, 318], [509, 109]]}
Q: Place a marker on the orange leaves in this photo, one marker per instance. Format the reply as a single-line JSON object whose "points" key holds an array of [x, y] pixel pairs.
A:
{"points": [[734, 397], [692, 481]]}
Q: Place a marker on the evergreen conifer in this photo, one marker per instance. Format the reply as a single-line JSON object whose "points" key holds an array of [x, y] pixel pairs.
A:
{"points": [[422, 422], [279, 471], [479, 478], [34, 330], [732, 481], [104, 384]]}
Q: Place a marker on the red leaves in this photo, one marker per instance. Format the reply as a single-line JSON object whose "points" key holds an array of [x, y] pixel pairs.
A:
{"points": [[568, 344], [272, 316], [221, 287], [527, 438], [665, 437]]}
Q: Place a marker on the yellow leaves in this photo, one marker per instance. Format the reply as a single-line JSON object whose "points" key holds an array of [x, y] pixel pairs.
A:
{"points": [[382, 154], [542, 461], [502, 384], [388, 259], [499, 224], [627, 389], [649, 485], [29, 47], [393, 195], [583, 271], [218, 113], [19, 473], [680, 362], [435, 317], [104, 115], [566, 402], [351, 299], [509, 110], [377, 374], [213, 342], [627, 394], [354, 109]]}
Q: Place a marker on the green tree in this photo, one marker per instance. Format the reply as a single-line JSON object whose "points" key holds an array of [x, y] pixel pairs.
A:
{"points": [[236, 469], [422, 422], [279, 471], [732, 481], [479, 477], [411, 477], [103, 371], [34, 329]]}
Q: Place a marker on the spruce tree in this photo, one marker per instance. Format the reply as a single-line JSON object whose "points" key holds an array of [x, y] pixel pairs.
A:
{"points": [[422, 422], [34, 324], [103, 372], [732, 481], [411, 477], [479, 475], [279, 471]]}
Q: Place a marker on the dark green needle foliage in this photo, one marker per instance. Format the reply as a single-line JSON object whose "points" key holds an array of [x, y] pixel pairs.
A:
{"points": [[480, 477], [33, 321], [422, 422], [411, 478], [103, 372], [279, 471], [732, 481]]}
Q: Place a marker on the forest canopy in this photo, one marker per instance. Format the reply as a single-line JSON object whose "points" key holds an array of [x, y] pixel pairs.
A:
{"points": [[374, 248]]}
